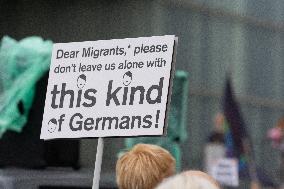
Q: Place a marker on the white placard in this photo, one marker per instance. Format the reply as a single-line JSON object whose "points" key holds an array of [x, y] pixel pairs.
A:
{"points": [[212, 153], [118, 87], [225, 171]]}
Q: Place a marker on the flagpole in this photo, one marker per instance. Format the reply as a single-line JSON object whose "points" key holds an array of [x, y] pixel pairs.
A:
{"points": [[255, 184], [241, 138]]}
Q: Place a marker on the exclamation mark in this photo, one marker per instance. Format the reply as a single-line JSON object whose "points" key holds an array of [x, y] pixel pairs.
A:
{"points": [[157, 118]]}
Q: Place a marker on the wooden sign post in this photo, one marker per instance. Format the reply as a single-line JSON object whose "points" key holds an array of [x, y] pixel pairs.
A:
{"points": [[98, 164]]}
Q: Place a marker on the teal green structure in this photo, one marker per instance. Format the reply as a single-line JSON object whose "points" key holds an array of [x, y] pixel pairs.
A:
{"points": [[22, 63], [176, 131]]}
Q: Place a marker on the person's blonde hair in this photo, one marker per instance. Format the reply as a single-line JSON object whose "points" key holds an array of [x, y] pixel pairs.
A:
{"points": [[144, 167], [190, 180]]}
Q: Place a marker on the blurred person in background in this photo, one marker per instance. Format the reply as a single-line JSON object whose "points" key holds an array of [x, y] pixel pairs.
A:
{"points": [[190, 180]]}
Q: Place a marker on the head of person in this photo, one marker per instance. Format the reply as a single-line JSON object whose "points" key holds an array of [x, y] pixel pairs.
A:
{"points": [[219, 121], [144, 167], [190, 180]]}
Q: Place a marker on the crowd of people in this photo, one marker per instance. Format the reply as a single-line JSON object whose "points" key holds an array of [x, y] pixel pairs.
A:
{"points": [[148, 166]]}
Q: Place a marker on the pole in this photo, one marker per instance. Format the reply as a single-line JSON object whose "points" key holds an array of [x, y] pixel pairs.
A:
{"points": [[98, 164], [255, 184]]}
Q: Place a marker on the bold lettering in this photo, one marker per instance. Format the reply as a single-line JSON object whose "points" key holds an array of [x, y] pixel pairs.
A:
{"points": [[59, 53], [112, 95], [147, 120], [79, 128], [164, 48], [120, 66], [136, 50], [64, 93], [79, 98], [97, 123], [158, 48], [96, 53], [159, 89], [133, 121], [133, 91], [125, 96], [54, 92], [88, 96], [66, 54], [56, 69], [125, 123], [86, 52], [88, 122], [121, 51], [109, 119], [152, 48]]}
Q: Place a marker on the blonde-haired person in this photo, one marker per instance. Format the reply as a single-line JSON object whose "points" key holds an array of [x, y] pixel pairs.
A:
{"points": [[190, 180], [144, 167]]}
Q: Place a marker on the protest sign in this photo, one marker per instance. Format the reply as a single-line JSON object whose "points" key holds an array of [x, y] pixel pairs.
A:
{"points": [[106, 88], [212, 153], [225, 171]]}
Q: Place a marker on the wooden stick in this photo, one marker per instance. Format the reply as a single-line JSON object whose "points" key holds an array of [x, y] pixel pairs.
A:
{"points": [[98, 164]]}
